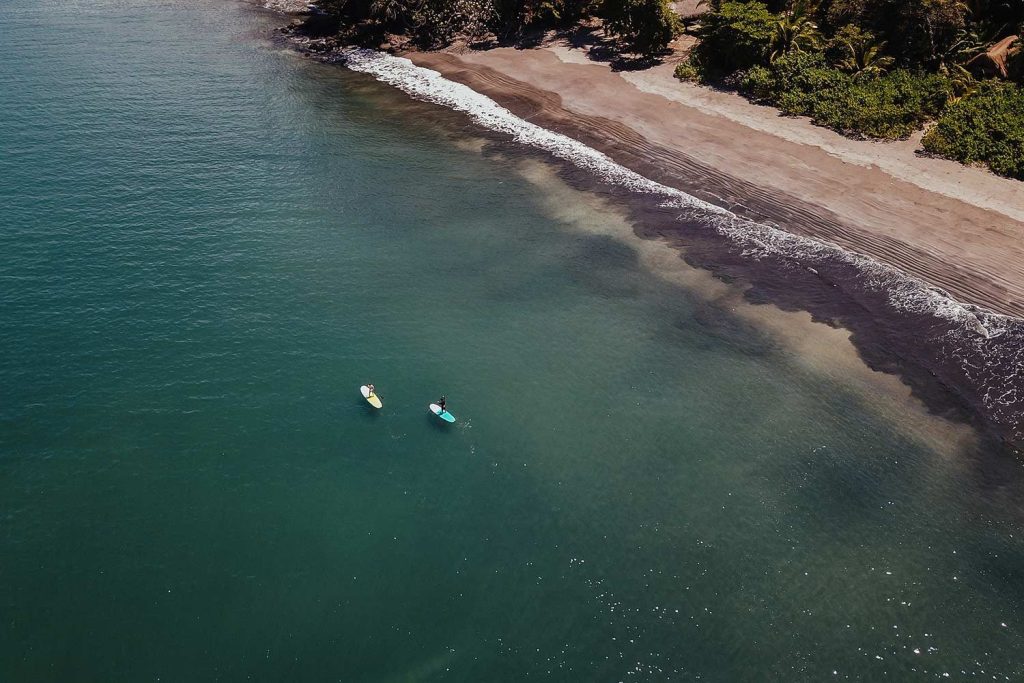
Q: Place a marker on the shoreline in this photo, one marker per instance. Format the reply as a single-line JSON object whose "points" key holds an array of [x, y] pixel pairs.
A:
{"points": [[820, 350], [961, 360], [967, 239]]}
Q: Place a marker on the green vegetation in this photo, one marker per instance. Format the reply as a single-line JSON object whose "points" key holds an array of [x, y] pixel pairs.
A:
{"points": [[887, 106], [735, 36], [878, 68], [642, 27], [987, 127], [866, 68], [645, 27]]}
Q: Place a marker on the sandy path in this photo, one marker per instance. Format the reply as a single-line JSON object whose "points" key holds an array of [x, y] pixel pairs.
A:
{"points": [[958, 228]]}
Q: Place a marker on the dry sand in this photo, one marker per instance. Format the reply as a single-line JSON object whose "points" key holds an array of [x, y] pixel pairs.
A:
{"points": [[955, 227]]}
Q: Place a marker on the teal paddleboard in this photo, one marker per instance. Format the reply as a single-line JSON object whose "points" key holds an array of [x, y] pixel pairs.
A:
{"points": [[443, 414]]}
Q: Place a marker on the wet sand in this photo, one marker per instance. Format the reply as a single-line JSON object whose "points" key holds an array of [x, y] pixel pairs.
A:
{"points": [[958, 228]]}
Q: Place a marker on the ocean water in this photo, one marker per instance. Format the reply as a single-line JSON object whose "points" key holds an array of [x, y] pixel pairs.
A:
{"points": [[208, 244]]}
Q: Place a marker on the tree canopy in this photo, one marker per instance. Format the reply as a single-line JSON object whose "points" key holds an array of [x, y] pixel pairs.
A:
{"points": [[870, 68], [879, 68]]}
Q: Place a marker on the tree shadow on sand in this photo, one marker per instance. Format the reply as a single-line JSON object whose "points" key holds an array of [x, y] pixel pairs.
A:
{"points": [[601, 48], [597, 46]]}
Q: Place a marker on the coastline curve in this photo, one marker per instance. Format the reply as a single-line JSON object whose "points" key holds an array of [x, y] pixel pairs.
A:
{"points": [[977, 353]]}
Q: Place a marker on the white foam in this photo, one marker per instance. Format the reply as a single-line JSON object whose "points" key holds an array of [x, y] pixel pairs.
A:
{"points": [[974, 329], [757, 238], [430, 86]]}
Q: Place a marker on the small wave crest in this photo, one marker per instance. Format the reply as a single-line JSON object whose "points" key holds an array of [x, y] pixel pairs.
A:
{"points": [[985, 349]]}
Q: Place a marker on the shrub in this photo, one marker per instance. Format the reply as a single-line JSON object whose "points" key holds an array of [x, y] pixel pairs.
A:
{"points": [[645, 26], [807, 73], [890, 106], [514, 16], [686, 71], [1015, 67], [759, 84], [736, 36], [987, 127], [436, 23]]}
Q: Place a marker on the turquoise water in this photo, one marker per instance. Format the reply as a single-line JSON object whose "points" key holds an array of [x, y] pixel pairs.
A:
{"points": [[208, 245]]}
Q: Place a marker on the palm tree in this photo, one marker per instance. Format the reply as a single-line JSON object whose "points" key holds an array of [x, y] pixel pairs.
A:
{"points": [[961, 82], [795, 32], [866, 59], [387, 11], [967, 45]]}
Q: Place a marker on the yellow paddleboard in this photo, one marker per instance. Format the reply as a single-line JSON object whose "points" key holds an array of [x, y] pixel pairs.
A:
{"points": [[370, 397]]}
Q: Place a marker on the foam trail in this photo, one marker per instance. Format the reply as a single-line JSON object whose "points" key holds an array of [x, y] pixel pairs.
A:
{"points": [[430, 86], [987, 348], [425, 84]]}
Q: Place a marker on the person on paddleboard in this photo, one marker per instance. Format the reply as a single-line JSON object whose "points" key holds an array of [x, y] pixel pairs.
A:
{"points": [[440, 403], [372, 389]]}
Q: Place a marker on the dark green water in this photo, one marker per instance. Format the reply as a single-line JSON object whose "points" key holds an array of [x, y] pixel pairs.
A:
{"points": [[206, 245]]}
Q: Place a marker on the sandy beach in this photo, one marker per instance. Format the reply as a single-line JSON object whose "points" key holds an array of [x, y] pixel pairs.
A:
{"points": [[957, 228], [920, 259]]}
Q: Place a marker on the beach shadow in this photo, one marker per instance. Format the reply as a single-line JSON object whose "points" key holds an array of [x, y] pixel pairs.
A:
{"points": [[597, 47], [529, 40], [601, 48], [637, 63], [484, 44], [522, 40]]}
